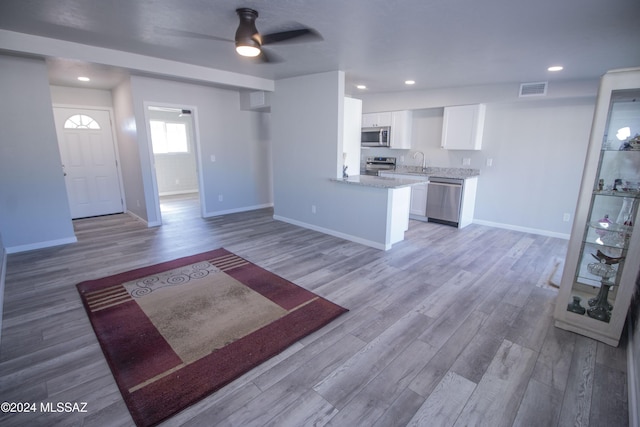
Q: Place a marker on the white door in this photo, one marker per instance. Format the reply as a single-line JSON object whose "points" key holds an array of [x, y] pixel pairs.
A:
{"points": [[88, 161]]}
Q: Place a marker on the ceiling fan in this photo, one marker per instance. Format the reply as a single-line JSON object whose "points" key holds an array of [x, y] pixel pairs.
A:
{"points": [[248, 40]]}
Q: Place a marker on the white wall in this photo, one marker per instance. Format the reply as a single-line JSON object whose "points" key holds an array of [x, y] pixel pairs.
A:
{"points": [[34, 209], [82, 97], [537, 145], [238, 140]]}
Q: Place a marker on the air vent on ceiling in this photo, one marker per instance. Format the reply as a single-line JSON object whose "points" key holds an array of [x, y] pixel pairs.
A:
{"points": [[533, 89]]}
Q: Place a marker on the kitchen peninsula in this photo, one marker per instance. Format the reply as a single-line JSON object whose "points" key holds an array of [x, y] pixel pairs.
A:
{"points": [[398, 202]]}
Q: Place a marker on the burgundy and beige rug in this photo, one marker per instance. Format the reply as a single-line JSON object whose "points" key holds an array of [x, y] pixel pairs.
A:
{"points": [[175, 332]]}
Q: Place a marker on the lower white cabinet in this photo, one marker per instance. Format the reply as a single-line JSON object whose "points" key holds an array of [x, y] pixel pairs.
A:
{"points": [[418, 193], [419, 200]]}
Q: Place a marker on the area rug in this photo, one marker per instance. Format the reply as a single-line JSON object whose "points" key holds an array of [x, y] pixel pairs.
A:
{"points": [[175, 332]]}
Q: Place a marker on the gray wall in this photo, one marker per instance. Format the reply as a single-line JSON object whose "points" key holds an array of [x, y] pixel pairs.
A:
{"points": [[538, 147], [128, 149], [304, 162], [34, 209]]}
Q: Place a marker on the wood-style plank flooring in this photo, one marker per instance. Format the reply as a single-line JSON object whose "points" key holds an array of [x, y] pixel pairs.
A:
{"points": [[449, 328]]}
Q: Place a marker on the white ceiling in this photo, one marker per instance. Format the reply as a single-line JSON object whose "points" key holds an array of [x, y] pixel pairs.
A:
{"points": [[380, 43]]}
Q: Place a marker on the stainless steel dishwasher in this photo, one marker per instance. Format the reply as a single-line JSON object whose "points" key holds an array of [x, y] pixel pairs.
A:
{"points": [[444, 198]]}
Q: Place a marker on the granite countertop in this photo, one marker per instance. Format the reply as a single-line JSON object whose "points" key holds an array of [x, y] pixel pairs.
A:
{"points": [[379, 182], [459, 173]]}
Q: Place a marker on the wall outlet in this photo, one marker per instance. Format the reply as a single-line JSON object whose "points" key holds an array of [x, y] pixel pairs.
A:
{"points": [[466, 161], [213, 158], [489, 162], [566, 217], [220, 198], [313, 209]]}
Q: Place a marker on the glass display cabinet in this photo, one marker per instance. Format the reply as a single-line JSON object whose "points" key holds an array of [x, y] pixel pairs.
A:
{"points": [[603, 256]]}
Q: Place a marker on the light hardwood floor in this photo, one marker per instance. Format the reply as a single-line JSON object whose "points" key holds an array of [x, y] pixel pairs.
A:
{"points": [[450, 327]]}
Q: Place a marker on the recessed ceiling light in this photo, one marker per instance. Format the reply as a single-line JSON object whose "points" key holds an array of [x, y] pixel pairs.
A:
{"points": [[84, 79], [409, 82], [555, 68], [361, 86]]}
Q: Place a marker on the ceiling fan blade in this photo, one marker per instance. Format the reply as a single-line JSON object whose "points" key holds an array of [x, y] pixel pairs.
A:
{"points": [[182, 33], [292, 36], [268, 56]]}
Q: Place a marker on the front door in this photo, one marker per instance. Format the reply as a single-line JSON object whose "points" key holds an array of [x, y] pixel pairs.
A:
{"points": [[89, 161]]}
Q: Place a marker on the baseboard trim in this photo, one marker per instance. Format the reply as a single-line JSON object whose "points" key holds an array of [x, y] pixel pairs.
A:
{"points": [[237, 210], [522, 229], [40, 245], [178, 192], [632, 377], [144, 221], [334, 233]]}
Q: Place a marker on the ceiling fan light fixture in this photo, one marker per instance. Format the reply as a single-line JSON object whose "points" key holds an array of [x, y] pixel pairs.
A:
{"points": [[247, 50], [248, 40]]}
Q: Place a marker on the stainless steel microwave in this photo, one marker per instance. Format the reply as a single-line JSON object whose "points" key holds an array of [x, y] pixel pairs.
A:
{"points": [[376, 137]]}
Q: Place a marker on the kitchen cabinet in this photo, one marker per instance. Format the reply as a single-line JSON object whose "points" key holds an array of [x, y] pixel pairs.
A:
{"points": [[601, 266], [462, 127], [419, 201], [351, 137], [401, 124], [418, 207], [374, 120]]}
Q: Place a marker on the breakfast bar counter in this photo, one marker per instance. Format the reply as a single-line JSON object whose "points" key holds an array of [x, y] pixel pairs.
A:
{"points": [[380, 182]]}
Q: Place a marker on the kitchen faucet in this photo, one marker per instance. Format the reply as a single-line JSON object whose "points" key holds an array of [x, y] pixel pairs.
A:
{"points": [[424, 164]]}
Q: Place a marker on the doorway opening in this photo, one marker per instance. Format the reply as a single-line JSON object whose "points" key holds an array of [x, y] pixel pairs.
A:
{"points": [[175, 155]]}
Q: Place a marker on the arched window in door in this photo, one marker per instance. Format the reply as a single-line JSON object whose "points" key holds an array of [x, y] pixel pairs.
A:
{"points": [[81, 121]]}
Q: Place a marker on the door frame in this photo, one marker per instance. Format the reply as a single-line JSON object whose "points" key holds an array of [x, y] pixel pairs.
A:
{"points": [[198, 152], [114, 141]]}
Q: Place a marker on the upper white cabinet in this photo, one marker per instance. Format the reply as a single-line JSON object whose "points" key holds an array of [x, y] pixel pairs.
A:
{"points": [[351, 136], [401, 123], [462, 127], [374, 120]]}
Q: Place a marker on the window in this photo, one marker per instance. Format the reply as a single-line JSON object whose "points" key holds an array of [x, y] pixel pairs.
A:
{"points": [[167, 137], [80, 121]]}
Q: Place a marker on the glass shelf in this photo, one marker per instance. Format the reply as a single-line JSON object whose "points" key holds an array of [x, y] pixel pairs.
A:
{"points": [[615, 241], [611, 227], [632, 194]]}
